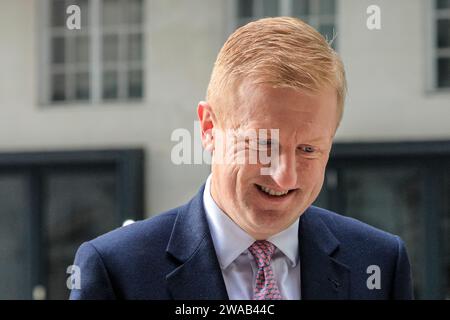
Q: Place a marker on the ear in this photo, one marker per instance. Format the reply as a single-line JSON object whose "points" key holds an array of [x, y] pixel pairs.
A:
{"points": [[207, 123]]}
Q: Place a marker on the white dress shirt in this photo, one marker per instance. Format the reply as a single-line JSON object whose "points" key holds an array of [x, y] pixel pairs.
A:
{"points": [[237, 263]]}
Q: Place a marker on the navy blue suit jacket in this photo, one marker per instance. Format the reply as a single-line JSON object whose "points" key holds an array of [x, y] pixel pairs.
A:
{"points": [[171, 256]]}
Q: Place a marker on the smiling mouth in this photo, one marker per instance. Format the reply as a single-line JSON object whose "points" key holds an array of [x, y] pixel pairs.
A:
{"points": [[273, 193]]}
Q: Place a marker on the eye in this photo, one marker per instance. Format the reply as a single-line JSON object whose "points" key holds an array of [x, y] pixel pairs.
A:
{"points": [[308, 149]]}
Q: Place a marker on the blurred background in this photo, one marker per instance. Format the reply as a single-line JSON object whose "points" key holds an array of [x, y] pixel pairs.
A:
{"points": [[87, 116]]}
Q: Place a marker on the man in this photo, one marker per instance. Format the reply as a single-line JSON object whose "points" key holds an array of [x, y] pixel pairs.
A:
{"points": [[251, 232]]}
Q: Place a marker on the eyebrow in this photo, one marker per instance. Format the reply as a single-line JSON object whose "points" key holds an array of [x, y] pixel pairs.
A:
{"points": [[270, 138], [317, 139]]}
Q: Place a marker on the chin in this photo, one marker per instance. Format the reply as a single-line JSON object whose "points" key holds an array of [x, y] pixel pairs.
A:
{"points": [[268, 219]]}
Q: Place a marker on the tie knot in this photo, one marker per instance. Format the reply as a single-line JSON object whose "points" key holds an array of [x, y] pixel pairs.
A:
{"points": [[262, 251]]}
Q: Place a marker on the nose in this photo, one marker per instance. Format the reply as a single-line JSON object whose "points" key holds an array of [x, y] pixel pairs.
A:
{"points": [[284, 170]]}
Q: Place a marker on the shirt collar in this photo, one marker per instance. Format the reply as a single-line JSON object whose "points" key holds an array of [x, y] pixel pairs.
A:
{"points": [[287, 242], [230, 240]]}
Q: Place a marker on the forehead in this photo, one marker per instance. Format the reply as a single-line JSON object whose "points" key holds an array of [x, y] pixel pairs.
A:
{"points": [[290, 110]]}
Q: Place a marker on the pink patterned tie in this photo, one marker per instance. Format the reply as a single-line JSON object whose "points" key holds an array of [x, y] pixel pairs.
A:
{"points": [[266, 287]]}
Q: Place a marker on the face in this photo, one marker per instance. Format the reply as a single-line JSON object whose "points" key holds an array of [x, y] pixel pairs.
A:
{"points": [[264, 205]]}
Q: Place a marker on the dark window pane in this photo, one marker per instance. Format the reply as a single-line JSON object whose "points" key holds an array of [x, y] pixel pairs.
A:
{"points": [[443, 33], [322, 200], [135, 84], [58, 87], [82, 49], [329, 185], [14, 249], [110, 48], [110, 85], [443, 4], [133, 12], [300, 8], [327, 30], [82, 86], [327, 7], [84, 11], [271, 8], [79, 206], [443, 72], [58, 50], [112, 12], [58, 13], [245, 9], [134, 47]]}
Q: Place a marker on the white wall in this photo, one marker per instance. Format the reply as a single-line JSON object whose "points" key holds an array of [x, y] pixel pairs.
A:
{"points": [[182, 40], [386, 70]]}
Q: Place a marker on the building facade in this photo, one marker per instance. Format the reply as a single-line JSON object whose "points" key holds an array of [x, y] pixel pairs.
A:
{"points": [[88, 116]]}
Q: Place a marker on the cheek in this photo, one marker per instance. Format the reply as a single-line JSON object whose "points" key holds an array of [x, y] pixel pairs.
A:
{"points": [[310, 173], [249, 174], [235, 176]]}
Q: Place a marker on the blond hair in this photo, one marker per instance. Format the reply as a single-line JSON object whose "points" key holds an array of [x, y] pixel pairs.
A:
{"points": [[283, 52]]}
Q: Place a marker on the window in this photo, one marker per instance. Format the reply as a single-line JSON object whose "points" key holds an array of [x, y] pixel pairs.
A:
{"points": [[318, 13], [52, 202], [249, 10], [101, 61], [442, 44]]}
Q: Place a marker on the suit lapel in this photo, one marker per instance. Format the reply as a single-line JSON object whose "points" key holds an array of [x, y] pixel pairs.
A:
{"points": [[198, 276], [322, 275]]}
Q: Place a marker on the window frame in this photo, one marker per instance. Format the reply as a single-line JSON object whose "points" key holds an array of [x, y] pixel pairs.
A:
{"points": [[432, 51], [127, 163], [95, 64]]}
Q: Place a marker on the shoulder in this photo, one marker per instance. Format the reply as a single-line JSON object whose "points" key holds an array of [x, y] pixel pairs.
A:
{"points": [[356, 233], [117, 264], [367, 251], [149, 234]]}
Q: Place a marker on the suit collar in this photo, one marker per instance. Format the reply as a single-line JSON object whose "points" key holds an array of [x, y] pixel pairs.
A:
{"points": [[189, 230], [323, 276], [198, 276]]}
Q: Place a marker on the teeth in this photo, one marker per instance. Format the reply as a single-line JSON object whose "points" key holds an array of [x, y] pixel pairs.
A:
{"points": [[273, 192]]}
